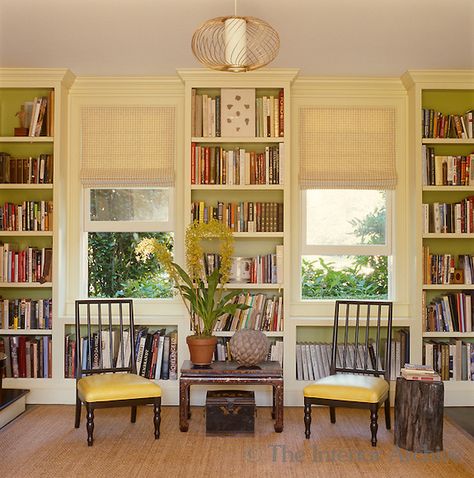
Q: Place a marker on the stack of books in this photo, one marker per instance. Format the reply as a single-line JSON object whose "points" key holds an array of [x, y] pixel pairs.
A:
{"points": [[420, 372]]}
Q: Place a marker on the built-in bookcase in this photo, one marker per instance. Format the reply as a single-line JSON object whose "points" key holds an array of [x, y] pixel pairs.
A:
{"points": [[236, 170], [443, 145], [30, 244]]}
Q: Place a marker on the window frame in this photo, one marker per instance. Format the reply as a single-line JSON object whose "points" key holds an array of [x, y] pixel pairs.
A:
{"points": [[348, 250], [90, 226]]}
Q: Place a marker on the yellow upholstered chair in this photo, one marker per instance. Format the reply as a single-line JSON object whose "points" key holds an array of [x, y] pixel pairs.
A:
{"points": [[360, 363], [105, 362]]}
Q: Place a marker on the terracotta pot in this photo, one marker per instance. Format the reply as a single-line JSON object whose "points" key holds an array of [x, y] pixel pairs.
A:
{"points": [[201, 349]]}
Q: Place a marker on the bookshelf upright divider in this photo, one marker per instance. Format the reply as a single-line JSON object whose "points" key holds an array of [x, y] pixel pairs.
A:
{"points": [[443, 148]]}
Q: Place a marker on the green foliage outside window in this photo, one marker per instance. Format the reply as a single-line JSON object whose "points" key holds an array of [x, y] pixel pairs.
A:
{"points": [[115, 272], [366, 277]]}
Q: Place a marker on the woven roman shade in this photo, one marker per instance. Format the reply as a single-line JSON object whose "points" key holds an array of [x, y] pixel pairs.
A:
{"points": [[129, 146], [347, 148]]}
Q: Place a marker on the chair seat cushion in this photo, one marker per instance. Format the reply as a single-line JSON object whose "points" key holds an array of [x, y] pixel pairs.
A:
{"points": [[116, 386], [349, 388]]}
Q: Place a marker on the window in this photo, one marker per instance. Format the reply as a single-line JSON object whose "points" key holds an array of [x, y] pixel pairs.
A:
{"points": [[346, 246], [116, 220]]}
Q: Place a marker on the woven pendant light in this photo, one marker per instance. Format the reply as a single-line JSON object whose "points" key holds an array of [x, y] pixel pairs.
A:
{"points": [[235, 43]]}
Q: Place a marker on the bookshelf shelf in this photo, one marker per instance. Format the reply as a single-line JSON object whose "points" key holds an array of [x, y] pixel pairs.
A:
{"points": [[242, 140], [231, 333], [452, 141], [25, 332], [23, 285], [250, 286], [258, 235], [444, 335], [25, 186], [244, 187], [448, 188], [448, 287], [26, 139], [448, 235], [26, 233]]}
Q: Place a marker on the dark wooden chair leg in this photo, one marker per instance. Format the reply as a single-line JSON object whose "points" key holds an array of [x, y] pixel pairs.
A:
{"points": [[307, 418], [90, 425], [273, 403], [387, 414], [133, 416], [332, 414], [373, 425], [77, 422], [157, 417]]}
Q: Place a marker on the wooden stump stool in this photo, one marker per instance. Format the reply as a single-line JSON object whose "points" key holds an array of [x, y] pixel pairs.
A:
{"points": [[419, 415]]}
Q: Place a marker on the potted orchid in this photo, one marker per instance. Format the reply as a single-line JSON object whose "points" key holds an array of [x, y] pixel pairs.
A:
{"points": [[202, 294]]}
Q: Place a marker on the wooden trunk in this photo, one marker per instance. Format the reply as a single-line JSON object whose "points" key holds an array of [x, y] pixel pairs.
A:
{"points": [[230, 411], [419, 415]]}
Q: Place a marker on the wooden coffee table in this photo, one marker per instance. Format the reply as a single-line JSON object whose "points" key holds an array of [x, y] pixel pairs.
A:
{"points": [[229, 373]]}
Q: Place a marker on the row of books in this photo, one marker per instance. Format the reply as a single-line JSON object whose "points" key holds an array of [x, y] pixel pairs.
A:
{"points": [[449, 217], [215, 165], [447, 268], [27, 356], [27, 216], [242, 216], [453, 360], [26, 170], [156, 352], [26, 314], [449, 313], [223, 353], [262, 269], [37, 116], [264, 313], [313, 359], [237, 112], [31, 264], [441, 170], [436, 124]]}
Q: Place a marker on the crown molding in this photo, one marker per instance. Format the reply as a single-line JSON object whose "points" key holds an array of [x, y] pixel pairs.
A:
{"points": [[36, 77], [438, 79], [263, 77], [127, 85], [347, 86]]}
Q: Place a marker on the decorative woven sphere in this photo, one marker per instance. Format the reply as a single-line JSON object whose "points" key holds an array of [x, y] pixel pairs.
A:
{"points": [[249, 347]]}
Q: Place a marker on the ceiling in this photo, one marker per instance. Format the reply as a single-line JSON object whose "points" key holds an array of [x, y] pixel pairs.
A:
{"points": [[320, 37]]}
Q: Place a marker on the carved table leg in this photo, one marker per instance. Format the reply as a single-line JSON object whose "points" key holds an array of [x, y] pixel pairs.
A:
{"points": [[183, 405], [279, 407]]}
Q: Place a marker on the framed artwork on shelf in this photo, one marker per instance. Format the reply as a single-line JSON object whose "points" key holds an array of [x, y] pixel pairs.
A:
{"points": [[238, 112]]}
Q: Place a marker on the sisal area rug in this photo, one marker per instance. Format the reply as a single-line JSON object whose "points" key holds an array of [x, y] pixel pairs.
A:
{"points": [[44, 443]]}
